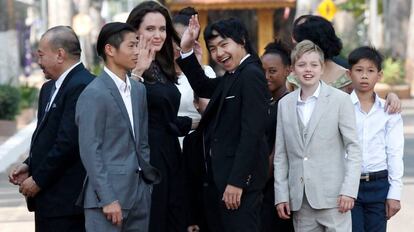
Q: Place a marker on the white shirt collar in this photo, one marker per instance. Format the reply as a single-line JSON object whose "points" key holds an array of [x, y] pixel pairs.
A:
{"points": [[241, 61], [122, 86], [314, 95], [62, 77], [378, 101]]}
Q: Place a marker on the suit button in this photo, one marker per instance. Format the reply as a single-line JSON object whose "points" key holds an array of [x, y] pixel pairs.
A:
{"points": [[301, 180], [215, 140], [306, 158]]}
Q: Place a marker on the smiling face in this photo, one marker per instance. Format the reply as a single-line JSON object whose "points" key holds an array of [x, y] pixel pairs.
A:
{"points": [[308, 68], [364, 75], [276, 71], [126, 55], [226, 52], [153, 27]]}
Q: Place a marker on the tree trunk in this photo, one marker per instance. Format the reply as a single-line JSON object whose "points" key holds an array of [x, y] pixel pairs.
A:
{"points": [[409, 62], [396, 26]]}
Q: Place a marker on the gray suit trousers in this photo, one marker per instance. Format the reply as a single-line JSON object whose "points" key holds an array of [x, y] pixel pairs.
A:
{"points": [[136, 219], [308, 219]]}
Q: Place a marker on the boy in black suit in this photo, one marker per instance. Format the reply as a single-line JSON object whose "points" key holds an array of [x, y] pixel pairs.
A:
{"points": [[232, 130]]}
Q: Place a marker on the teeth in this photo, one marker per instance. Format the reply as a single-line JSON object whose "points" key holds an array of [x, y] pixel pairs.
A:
{"points": [[224, 59]]}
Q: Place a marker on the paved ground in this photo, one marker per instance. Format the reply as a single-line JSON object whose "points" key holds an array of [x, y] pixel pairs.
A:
{"points": [[15, 218]]}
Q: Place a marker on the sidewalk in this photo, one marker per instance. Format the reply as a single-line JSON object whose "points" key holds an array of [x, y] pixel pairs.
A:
{"points": [[14, 216]]}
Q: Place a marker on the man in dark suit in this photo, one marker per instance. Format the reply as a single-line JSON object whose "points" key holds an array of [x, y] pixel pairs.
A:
{"points": [[52, 176], [233, 125]]}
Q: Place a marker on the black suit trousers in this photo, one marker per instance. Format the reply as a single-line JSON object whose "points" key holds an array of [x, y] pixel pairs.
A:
{"points": [[72, 223], [220, 219]]}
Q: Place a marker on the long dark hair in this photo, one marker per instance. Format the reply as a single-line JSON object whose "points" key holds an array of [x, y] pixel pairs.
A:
{"points": [[165, 57], [320, 31]]}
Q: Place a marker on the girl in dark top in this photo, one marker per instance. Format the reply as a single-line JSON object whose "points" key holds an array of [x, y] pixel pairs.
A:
{"points": [[156, 66], [276, 64]]}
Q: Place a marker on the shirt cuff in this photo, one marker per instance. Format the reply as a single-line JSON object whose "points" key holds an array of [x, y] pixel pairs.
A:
{"points": [[394, 193], [187, 54]]}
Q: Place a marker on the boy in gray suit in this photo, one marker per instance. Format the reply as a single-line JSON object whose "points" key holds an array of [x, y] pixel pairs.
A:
{"points": [[113, 138], [313, 177]]}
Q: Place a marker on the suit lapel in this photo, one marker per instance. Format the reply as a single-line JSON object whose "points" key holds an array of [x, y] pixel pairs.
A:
{"points": [[320, 108], [118, 99], [135, 107], [293, 114]]}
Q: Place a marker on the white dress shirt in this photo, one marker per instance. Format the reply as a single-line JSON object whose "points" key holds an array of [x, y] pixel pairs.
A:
{"points": [[125, 91], [381, 138], [59, 82], [305, 108]]}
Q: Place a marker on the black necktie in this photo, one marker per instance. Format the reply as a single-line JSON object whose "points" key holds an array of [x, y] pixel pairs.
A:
{"points": [[52, 91]]}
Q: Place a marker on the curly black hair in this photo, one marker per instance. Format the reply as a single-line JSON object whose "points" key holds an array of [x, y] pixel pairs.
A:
{"points": [[278, 48], [320, 31]]}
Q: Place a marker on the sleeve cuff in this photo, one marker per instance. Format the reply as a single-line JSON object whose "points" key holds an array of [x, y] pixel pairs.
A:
{"points": [[187, 54]]}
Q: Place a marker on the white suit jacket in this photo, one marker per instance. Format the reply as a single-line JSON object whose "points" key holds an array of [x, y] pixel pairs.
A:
{"points": [[317, 164]]}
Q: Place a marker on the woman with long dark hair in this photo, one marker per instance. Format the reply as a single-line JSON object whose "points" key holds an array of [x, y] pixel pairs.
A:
{"points": [[153, 24]]}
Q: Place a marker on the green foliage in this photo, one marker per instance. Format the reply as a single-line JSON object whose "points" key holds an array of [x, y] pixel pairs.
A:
{"points": [[9, 102], [358, 7], [393, 72], [29, 96], [96, 69]]}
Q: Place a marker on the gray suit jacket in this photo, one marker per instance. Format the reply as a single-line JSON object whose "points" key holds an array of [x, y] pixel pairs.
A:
{"points": [[317, 164], [110, 153]]}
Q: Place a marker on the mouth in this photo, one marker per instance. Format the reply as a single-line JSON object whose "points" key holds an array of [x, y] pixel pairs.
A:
{"points": [[224, 60], [364, 84], [308, 76]]}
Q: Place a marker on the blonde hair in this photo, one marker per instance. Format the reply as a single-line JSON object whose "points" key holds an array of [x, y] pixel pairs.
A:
{"points": [[303, 47]]}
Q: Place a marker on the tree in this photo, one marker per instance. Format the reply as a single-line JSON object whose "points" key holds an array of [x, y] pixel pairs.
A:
{"points": [[409, 64]]}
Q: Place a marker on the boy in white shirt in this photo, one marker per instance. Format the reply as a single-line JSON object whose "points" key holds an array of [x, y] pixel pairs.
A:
{"points": [[382, 143]]}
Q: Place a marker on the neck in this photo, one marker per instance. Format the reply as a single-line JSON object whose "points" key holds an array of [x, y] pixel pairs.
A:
{"points": [[307, 91], [65, 66], [279, 93], [366, 97], [119, 72]]}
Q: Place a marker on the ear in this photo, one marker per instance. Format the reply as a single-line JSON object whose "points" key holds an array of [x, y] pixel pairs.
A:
{"points": [[109, 50], [61, 55], [380, 74]]}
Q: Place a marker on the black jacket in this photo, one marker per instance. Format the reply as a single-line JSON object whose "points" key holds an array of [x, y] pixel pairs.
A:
{"points": [[234, 122], [54, 161]]}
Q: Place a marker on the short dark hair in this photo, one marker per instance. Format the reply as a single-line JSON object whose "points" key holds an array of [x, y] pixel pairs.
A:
{"points": [[64, 37], [183, 16], [229, 28], [320, 31], [112, 34], [165, 57], [278, 48], [368, 53]]}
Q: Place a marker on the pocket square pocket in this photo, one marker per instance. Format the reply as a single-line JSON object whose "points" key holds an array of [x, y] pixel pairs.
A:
{"points": [[230, 97]]}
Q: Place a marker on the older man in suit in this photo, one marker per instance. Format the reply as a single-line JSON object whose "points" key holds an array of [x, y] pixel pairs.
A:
{"points": [[113, 137], [316, 128], [51, 178]]}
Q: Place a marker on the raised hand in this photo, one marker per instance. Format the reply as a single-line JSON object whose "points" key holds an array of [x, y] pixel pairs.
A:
{"points": [[190, 35], [146, 55]]}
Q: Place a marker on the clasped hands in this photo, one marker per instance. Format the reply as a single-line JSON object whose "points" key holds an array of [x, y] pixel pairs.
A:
{"points": [[20, 176]]}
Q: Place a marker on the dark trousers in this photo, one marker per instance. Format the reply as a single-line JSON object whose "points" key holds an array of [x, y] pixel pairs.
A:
{"points": [[219, 219], [368, 214], [271, 222], [73, 223]]}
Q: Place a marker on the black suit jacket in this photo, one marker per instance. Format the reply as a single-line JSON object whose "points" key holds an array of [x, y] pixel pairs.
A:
{"points": [[54, 161], [235, 119]]}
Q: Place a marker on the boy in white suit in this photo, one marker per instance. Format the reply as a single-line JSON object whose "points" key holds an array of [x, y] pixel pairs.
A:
{"points": [[313, 176]]}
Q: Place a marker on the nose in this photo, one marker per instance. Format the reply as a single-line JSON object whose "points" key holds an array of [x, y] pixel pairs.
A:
{"points": [[219, 52], [364, 75]]}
